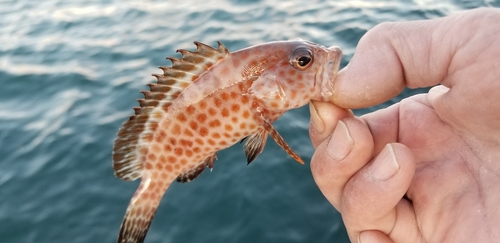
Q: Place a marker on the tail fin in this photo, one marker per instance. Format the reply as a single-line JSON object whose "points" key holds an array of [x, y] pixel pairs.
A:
{"points": [[140, 213]]}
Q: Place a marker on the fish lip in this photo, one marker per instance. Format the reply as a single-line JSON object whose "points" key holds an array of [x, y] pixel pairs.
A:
{"points": [[330, 71]]}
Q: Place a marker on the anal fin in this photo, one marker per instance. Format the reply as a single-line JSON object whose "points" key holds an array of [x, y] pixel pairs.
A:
{"points": [[193, 172], [255, 144]]}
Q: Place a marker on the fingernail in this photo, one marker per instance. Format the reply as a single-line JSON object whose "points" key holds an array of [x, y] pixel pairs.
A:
{"points": [[341, 143], [385, 165], [316, 120]]}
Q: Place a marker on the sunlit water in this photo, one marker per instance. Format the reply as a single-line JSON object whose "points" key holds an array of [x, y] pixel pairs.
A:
{"points": [[70, 72]]}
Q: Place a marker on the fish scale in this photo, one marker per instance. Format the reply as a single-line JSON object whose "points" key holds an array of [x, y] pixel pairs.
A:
{"points": [[209, 100]]}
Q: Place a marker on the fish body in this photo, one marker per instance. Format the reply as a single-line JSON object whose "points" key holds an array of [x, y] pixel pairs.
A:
{"points": [[209, 100]]}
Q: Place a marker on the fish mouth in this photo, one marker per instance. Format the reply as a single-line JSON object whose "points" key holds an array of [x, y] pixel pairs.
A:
{"points": [[330, 70]]}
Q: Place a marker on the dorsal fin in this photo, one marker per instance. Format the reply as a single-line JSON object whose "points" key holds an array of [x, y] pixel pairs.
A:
{"points": [[132, 142], [193, 172]]}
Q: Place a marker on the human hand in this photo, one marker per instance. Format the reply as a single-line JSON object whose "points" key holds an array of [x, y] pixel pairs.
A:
{"points": [[426, 169]]}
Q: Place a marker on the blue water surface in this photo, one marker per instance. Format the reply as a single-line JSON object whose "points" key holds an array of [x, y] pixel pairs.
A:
{"points": [[70, 72]]}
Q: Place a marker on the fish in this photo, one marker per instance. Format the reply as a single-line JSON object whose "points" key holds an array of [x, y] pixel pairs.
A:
{"points": [[206, 101]]}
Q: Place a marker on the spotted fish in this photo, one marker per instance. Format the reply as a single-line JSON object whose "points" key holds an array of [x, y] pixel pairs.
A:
{"points": [[209, 100]]}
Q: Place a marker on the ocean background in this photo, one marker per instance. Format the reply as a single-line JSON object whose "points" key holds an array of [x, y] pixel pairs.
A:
{"points": [[70, 72]]}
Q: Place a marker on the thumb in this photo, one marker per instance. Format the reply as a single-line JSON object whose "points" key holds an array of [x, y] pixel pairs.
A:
{"points": [[394, 55]]}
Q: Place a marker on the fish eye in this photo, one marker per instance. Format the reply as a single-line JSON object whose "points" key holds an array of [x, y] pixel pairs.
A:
{"points": [[301, 58]]}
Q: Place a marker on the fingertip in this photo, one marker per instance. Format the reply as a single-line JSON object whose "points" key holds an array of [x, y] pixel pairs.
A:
{"points": [[373, 236], [338, 158], [370, 197], [324, 118]]}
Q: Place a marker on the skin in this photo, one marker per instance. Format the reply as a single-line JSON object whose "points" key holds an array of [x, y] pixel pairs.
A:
{"points": [[426, 169]]}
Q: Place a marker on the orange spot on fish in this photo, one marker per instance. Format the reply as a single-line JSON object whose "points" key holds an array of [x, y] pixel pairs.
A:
{"points": [[151, 157], [211, 142], [196, 149], [176, 129], [225, 112], [234, 119], [214, 123], [216, 135], [189, 153], [161, 136], [159, 166], [223, 143], [182, 117], [228, 127], [188, 133], [225, 71], [274, 104], [291, 72], [155, 148], [185, 142], [148, 166], [203, 131], [193, 125], [173, 141], [236, 62], [167, 148], [183, 161], [201, 117], [162, 159], [217, 102], [224, 96], [244, 99], [243, 125], [234, 95], [199, 141], [190, 110], [227, 135], [169, 168], [244, 55], [293, 94], [203, 104], [281, 73], [235, 107], [178, 151], [171, 159], [246, 114], [212, 111], [252, 126]]}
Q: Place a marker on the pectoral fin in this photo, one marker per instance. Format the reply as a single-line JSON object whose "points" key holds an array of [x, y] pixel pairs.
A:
{"points": [[280, 141], [254, 144]]}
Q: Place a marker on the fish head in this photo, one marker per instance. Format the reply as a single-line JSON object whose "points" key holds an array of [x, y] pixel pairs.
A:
{"points": [[294, 73]]}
